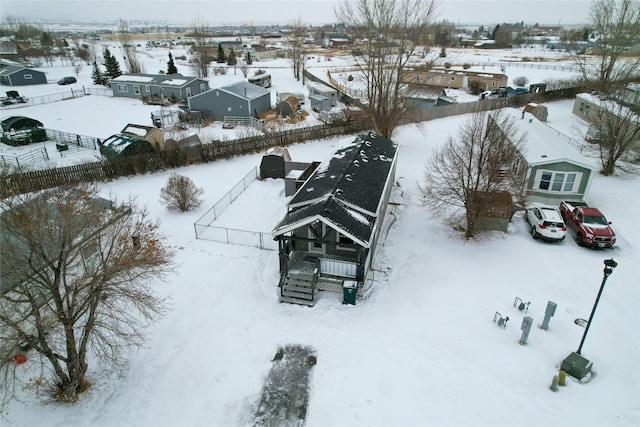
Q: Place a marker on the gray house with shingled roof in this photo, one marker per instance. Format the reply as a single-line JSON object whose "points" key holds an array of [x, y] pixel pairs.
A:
{"points": [[163, 86], [240, 99], [328, 237]]}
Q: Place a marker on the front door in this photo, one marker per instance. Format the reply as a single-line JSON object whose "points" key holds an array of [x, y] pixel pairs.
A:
{"points": [[314, 230]]}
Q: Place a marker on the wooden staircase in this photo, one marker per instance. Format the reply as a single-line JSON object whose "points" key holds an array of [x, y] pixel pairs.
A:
{"points": [[299, 289]]}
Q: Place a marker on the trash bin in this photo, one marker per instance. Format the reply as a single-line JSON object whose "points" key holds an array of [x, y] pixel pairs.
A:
{"points": [[350, 291]]}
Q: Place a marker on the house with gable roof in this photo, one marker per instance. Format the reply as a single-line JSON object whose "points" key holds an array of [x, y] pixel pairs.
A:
{"points": [[15, 74], [551, 168], [163, 86], [328, 237], [240, 99]]}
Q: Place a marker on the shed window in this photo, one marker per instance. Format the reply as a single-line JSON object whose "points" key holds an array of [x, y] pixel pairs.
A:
{"points": [[28, 76], [123, 88], [136, 90]]}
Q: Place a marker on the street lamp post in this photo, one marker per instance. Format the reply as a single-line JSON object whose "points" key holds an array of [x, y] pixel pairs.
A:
{"points": [[575, 364], [609, 265]]}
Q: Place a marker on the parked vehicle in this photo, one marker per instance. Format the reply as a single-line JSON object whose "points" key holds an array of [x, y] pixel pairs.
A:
{"points": [[546, 223], [67, 80], [591, 227], [13, 97]]}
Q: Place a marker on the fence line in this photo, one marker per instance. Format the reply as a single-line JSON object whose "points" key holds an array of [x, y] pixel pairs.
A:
{"points": [[83, 141], [204, 230], [223, 203], [26, 159], [60, 96]]}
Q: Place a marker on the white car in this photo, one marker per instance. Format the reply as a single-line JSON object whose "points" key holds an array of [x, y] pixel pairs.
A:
{"points": [[546, 223]]}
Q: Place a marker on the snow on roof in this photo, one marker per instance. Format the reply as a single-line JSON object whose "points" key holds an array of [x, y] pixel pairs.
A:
{"points": [[610, 104], [136, 130], [175, 82], [245, 90], [543, 144], [132, 78]]}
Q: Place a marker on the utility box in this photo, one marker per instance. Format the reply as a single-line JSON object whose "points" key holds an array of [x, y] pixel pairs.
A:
{"points": [[576, 366], [350, 291]]}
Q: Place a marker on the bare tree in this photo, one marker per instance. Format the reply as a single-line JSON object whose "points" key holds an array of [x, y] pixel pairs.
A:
{"points": [[617, 25], [77, 65], [389, 31], [128, 48], [181, 193], [481, 160], [297, 51], [244, 68], [615, 127], [80, 284], [200, 57]]}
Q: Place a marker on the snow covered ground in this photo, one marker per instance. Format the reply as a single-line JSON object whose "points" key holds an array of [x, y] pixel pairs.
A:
{"points": [[420, 349]]}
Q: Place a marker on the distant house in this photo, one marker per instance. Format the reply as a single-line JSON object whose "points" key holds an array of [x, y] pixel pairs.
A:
{"points": [[591, 106], [260, 53], [328, 237], [163, 86], [15, 74], [240, 99], [455, 79], [552, 170]]}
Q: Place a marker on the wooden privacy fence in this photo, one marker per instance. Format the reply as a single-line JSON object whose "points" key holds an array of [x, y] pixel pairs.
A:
{"points": [[25, 182]]}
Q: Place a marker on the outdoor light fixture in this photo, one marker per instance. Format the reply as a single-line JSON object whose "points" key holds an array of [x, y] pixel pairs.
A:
{"points": [[576, 365]]}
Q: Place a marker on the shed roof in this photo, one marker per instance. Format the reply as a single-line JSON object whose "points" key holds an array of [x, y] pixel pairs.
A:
{"points": [[9, 69], [245, 90], [346, 189], [544, 145]]}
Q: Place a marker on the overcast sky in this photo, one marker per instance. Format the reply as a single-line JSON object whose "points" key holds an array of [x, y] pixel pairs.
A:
{"points": [[563, 12]]}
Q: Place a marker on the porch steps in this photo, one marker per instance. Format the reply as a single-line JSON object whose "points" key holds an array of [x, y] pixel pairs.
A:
{"points": [[297, 290]]}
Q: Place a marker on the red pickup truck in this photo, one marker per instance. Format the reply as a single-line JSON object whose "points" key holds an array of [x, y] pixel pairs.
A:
{"points": [[591, 227]]}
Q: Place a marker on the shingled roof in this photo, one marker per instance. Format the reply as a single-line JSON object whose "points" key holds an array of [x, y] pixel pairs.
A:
{"points": [[346, 190]]}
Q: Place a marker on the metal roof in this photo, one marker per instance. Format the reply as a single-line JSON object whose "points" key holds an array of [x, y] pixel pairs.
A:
{"points": [[346, 190]]}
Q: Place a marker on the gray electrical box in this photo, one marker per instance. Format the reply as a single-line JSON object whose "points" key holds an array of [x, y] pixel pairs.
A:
{"points": [[548, 313], [526, 327]]}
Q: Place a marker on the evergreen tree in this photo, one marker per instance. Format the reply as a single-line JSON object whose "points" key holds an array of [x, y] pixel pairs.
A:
{"points": [[231, 59], [97, 76], [221, 58], [112, 65], [171, 67], [249, 61]]}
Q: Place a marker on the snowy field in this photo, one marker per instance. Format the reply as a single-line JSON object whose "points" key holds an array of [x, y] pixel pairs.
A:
{"points": [[420, 349]]}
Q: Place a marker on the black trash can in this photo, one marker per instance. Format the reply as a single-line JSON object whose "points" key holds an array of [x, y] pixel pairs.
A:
{"points": [[350, 291]]}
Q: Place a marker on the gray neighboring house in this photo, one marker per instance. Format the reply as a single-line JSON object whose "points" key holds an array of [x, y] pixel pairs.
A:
{"points": [[15, 74], [240, 99], [161, 86], [552, 169]]}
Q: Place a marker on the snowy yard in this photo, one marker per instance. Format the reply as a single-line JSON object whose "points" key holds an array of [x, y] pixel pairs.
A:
{"points": [[420, 349]]}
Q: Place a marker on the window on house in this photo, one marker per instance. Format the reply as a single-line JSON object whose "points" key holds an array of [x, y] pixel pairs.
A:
{"points": [[28, 76], [123, 88], [90, 255], [559, 181], [344, 242], [188, 92], [147, 89], [202, 87], [136, 90], [452, 78], [437, 79], [493, 83], [428, 78]]}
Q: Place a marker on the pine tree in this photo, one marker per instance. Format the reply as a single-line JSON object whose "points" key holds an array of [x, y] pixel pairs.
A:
{"points": [[171, 67], [98, 77], [112, 65], [249, 61], [221, 58], [231, 59]]}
